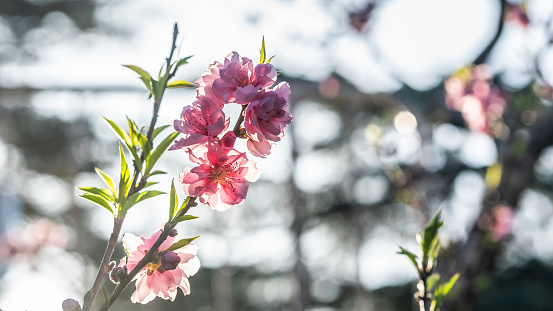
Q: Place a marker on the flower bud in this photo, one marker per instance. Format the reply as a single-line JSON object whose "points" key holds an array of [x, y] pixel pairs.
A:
{"points": [[170, 261], [173, 232], [228, 140], [118, 274], [70, 305]]}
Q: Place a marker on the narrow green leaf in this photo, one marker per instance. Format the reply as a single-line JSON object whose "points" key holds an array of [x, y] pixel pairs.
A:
{"points": [[103, 192], [98, 200], [124, 182], [429, 234], [182, 218], [106, 295], [410, 255], [158, 172], [182, 61], [144, 76], [270, 59], [160, 149], [173, 201], [158, 130], [183, 205], [154, 88], [449, 285], [107, 179], [432, 280], [181, 243], [133, 131], [122, 134], [150, 183], [179, 84], [263, 54], [139, 197]]}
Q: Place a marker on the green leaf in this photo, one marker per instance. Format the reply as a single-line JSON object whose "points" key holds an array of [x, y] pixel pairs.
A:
{"points": [[432, 280], [139, 197], [410, 255], [98, 200], [106, 295], [270, 59], [144, 76], [443, 290], [103, 192], [263, 54], [182, 218], [182, 61], [183, 205], [150, 183], [158, 130], [173, 201], [124, 182], [122, 134], [158, 172], [449, 285], [181, 243], [160, 149], [154, 88], [179, 84], [428, 237], [107, 179]]}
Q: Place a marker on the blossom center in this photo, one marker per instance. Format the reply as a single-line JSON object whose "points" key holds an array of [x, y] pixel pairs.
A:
{"points": [[218, 174], [153, 266]]}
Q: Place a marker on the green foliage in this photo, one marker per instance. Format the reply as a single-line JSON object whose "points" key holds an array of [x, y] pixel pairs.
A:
{"points": [[145, 77], [98, 200], [442, 290], [173, 201], [410, 255], [181, 243], [139, 197], [428, 237], [263, 53], [158, 151], [179, 84]]}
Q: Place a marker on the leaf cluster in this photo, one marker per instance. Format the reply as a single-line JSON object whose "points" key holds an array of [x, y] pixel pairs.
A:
{"points": [[430, 246]]}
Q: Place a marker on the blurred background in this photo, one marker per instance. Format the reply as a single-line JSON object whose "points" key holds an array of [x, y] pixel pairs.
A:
{"points": [[401, 107]]}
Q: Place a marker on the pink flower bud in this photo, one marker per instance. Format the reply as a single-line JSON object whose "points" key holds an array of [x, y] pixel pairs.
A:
{"points": [[170, 261], [228, 140]]}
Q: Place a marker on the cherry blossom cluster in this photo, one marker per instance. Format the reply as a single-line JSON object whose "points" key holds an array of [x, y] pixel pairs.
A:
{"points": [[222, 175], [472, 92]]}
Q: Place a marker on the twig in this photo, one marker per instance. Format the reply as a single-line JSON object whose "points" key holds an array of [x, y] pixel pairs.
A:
{"points": [[118, 220]]}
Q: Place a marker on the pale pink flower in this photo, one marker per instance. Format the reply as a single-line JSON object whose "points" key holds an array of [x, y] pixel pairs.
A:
{"points": [[200, 122], [169, 270], [221, 178], [265, 119], [236, 80], [473, 93]]}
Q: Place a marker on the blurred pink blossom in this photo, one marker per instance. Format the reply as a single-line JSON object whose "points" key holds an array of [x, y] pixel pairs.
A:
{"points": [[221, 179], [169, 270], [28, 240], [199, 122], [502, 222], [517, 14], [471, 92]]}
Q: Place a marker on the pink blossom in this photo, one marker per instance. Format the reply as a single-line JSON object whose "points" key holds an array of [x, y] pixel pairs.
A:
{"points": [[472, 93], [265, 119], [221, 179], [236, 80], [199, 122], [168, 271]]}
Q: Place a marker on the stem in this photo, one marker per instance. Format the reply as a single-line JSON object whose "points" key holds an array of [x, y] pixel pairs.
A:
{"points": [[104, 266], [118, 220], [236, 129]]}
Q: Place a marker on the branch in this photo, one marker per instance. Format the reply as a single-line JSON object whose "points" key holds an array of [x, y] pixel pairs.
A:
{"points": [[486, 52]]}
